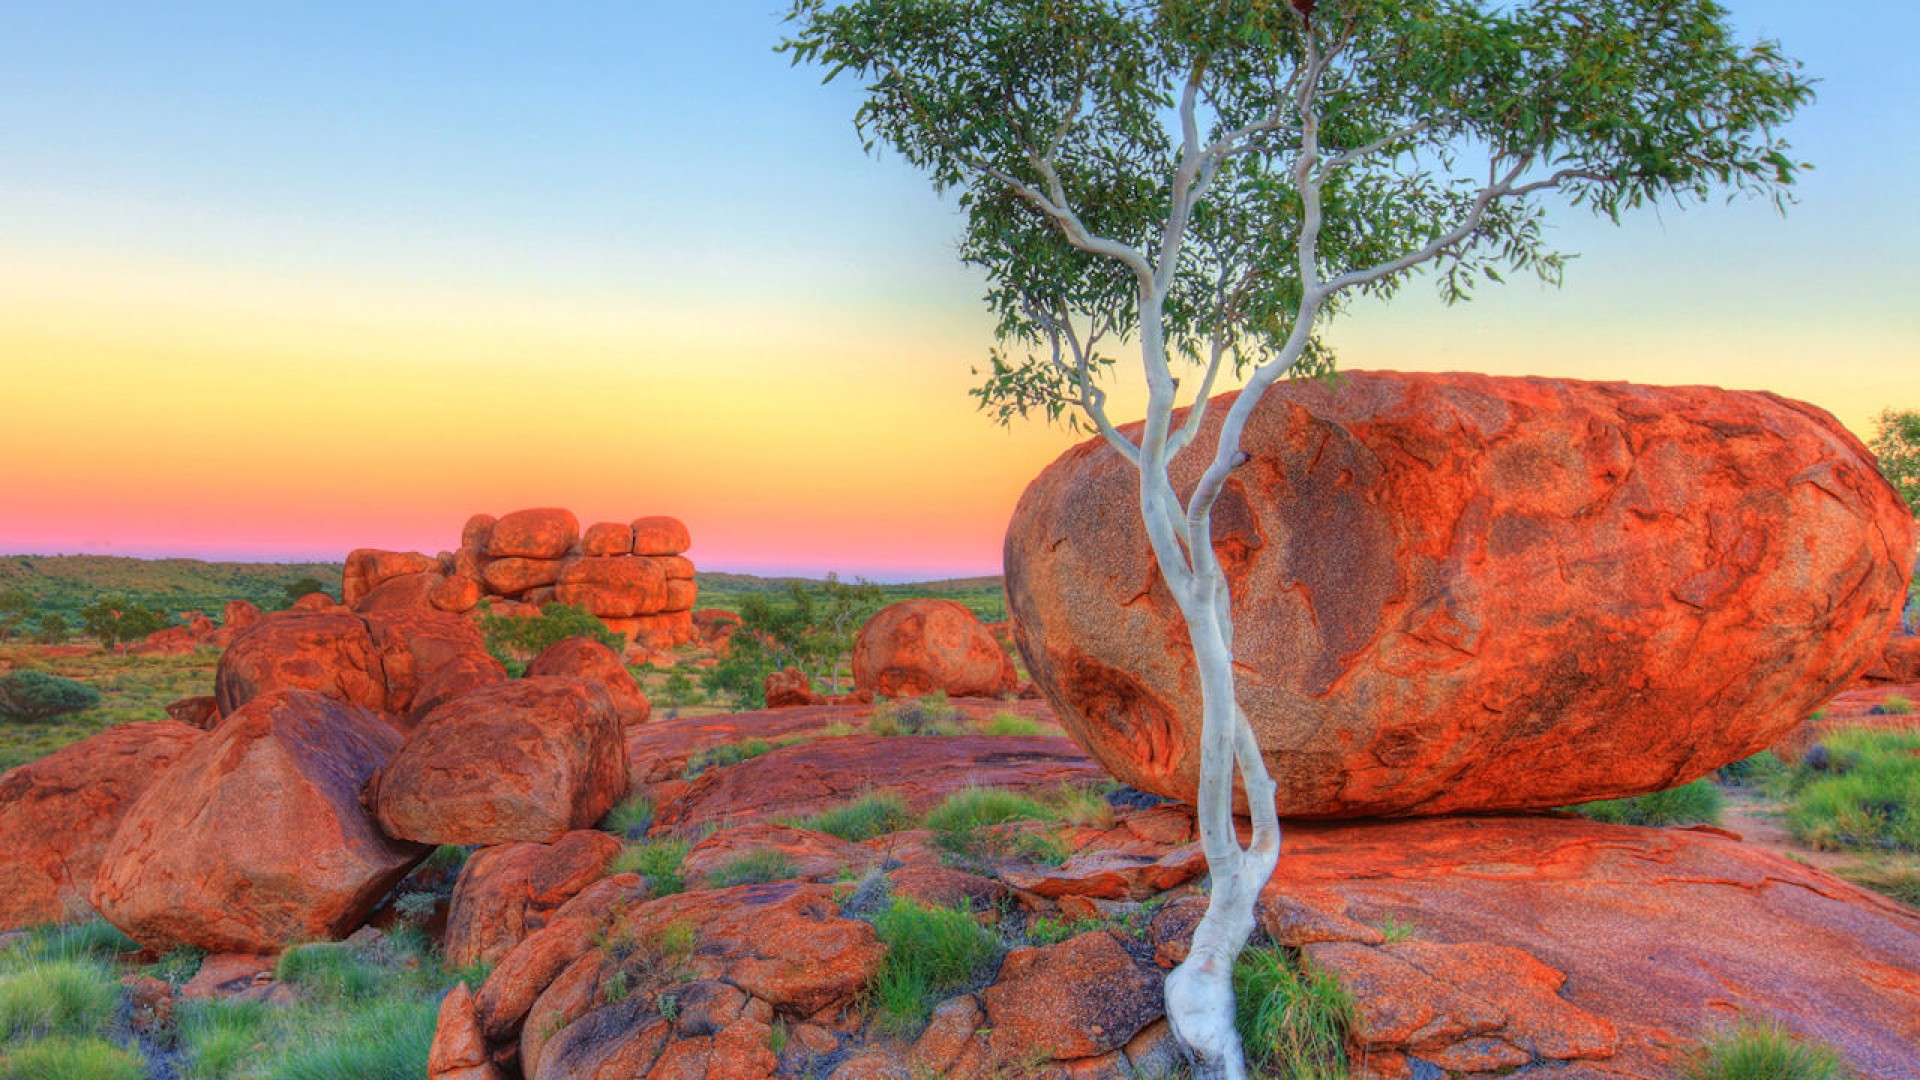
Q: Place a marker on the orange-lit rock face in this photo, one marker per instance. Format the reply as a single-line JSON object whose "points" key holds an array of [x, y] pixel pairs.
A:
{"points": [[660, 536], [545, 533], [916, 647], [1457, 592]]}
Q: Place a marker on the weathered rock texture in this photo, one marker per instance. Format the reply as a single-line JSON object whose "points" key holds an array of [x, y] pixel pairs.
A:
{"points": [[1560, 940], [634, 577], [58, 813], [920, 646], [520, 761], [1458, 592], [508, 891], [256, 838]]}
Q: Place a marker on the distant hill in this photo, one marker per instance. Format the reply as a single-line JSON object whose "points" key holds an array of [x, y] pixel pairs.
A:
{"points": [[67, 583]]}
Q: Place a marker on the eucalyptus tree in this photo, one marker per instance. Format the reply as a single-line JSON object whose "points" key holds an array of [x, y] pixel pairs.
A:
{"points": [[1199, 185]]}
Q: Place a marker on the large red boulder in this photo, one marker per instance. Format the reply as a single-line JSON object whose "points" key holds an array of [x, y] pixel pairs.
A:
{"points": [[607, 538], [1459, 592], [917, 647], [367, 569], [660, 536], [1899, 660], [526, 760], [331, 654], [427, 657], [588, 660], [545, 533], [256, 838], [404, 592], [58, 812], [239, 613], [618, 587], [513, 576]]}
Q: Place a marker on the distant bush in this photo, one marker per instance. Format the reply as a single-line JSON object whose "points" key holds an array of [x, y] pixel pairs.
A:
{"points": [[53, 629], [297, 589], [514, 642], [1763, 1052], [15, 608], [1872, 801], [1697, 803], [117, 619], [30, 696]]}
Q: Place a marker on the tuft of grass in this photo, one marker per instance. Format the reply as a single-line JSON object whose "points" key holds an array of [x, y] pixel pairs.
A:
{"points": [[1874, 802], [1896, 705], [1082, 806], [96, 939], [67, 1058], [930, 715], [1896, 876], [332, 971], [929, 951], [1763, 770], [958, 820], [756, 866], [658, 862], [721, 756], [1007, 723], [220, 1037], [631, 819], [1292, 1020], [1763, 1052], [871, 815], [389, 1040], [179, 966], [1689, 804], [42, 999], [1395, 930]]}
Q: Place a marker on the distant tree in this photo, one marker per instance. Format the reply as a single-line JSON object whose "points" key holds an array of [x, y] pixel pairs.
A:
{"points": [[16, 608], [1896, 443], [810, 627], [53, 629], [1202, 183], [30, 696], [516, 641], [118, 619], [301, 588]]}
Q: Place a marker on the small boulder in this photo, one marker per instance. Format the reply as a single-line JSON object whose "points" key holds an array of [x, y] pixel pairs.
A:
{"points": [[1083, 997], [607, 538], [199, 712], [58, 813], [239, 613], [519, 761], [256, 838], [613, 587], [456, 593], [546, 533], [788, 688], [660, 536], [917, 647], [367, 569], [405, 592], [509, 891], [588, 660], [514, 576]]}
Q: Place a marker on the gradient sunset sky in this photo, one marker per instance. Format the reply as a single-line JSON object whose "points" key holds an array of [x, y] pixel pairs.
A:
{"points": [[278, 281]]}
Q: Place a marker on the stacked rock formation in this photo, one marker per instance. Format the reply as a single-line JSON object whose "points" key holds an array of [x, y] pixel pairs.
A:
{"points": [[635, 577], [1464, 593]]}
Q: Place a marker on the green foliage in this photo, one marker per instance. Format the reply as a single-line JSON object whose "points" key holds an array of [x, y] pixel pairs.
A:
{"points": [[132, 688], [631, 819], [810, 627], [1897, 876], [53, 629], [1763, 1052], [117, 619], [179, 965], [65, 1058], [753, 867], [678, 690], [1870, 799], [658, 862], [959, 819], [726, 754], [33, 696], [66, 583], [1896, 705], [300, 587], [1689, 804], [331, 970], [387, 1040], [1896, 445], [95, 939], [220, 1037], [930, 715], [16, 608], [46, 998], [1009, 724], [930, 951], [1293, 1021], [1762, 770], [516, 641], [875, 814]]}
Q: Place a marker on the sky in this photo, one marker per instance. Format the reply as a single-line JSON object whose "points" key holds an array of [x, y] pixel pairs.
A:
{"points": [[278, 281]]}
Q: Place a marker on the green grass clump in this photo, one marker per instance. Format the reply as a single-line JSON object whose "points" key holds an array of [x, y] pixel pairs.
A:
{"points": [[1293, 1022], [1897, 876], [719, 756], [1689, 804], [95, 939], [1872, 802], [753, 867], [65, 1058], [929, 951], [658, 862], [42, 998], [218, 1038], [631, 819], [930, 715], [872, 815], [1764, 770], [964, 813], [1763, 1052], [331, 970], [1010, 724], [1896, 705], [387, 1040]]}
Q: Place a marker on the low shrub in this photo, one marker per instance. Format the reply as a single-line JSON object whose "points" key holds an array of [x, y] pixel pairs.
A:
{"points": [[1293, 1021], [658, 862], [631, 819], [32, 696], [930, 715], [1896, 705], [877, 814], [930, 951], [756, 866], [721, 756], [1689, 804], [516, 641], [71, 1059], [1763, 1052], [1873, 803]]}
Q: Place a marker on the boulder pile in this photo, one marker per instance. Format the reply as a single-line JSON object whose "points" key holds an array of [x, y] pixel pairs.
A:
{"points": [[1465, 593], [635, 577]]}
